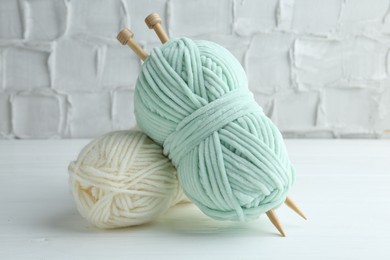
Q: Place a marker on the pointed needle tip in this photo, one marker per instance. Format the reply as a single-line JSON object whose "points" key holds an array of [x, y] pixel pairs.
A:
{"points": [[291, 204], [275, 221]]}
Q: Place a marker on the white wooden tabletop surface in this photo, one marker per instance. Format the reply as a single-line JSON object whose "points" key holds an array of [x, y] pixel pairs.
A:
{"points": [[343, 186]]}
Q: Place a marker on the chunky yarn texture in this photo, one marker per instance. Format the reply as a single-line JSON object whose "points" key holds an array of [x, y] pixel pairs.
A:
{"points": [[192, 97], [123, 179]]}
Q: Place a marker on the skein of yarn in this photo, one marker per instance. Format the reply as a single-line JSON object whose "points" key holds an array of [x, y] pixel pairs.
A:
{"points": [[123, 179], [192, 97]]}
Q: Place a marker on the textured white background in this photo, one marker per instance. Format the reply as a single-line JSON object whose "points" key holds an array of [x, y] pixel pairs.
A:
{"points": [[319, 68]]}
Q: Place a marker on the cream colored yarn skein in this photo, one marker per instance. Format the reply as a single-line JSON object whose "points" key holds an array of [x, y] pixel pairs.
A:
{"points": [[123, 179]]}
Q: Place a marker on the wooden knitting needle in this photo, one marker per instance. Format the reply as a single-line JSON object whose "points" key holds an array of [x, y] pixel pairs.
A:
{"points": [[153, 21], [275, 220], [291, 204], [126, 37]]}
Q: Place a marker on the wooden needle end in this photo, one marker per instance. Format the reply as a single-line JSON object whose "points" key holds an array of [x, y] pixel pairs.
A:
{"points": [[291, 204], [275, 221], [152, 19], [124, 36]]}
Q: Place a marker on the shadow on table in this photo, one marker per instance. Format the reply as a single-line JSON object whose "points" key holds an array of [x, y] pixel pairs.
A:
{"points": [[188, 220], [184, 220]]}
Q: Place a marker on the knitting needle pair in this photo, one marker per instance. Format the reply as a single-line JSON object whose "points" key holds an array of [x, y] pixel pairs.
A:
{"points": [[153, 21]]}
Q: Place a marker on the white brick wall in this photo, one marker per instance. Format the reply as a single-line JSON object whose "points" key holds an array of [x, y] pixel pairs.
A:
{"points": [[319, 68]]}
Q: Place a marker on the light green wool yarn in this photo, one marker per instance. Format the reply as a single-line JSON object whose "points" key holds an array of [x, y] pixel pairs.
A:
{"points": [[192, 97]]}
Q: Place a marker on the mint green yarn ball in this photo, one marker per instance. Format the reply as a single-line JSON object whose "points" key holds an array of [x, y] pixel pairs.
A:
{"points": [[192, 98]]}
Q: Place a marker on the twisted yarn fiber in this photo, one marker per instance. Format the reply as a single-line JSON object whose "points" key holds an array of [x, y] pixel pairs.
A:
{"points": [[123, 179], [192, 97]]}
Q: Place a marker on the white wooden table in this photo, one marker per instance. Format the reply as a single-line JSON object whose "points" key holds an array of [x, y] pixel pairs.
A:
{"points": [[343, 186]]}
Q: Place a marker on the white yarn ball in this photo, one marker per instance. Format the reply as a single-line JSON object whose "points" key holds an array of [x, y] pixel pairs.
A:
{"points": [[123, 179]]}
